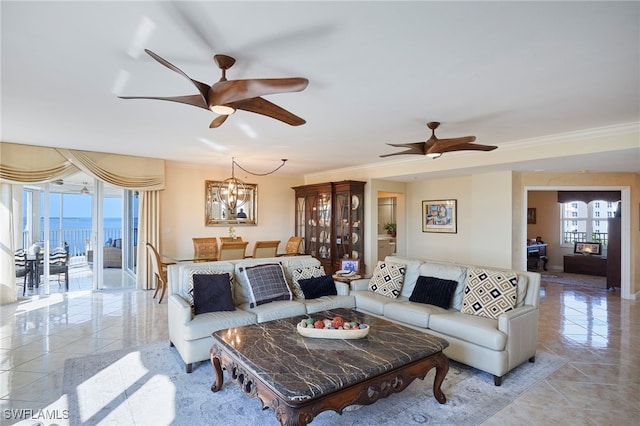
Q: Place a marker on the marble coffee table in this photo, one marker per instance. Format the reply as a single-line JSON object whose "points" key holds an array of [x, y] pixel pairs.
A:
{"points": [[299, 377]]}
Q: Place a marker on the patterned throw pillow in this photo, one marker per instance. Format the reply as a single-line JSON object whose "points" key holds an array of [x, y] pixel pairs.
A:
{"points": [[188, 294], [387, 279], [304, 274], [489, 293], [267, 283]]}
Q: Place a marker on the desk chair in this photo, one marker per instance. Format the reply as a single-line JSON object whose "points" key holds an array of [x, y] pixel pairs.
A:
{"points": [[233, 250], [159, 271], [293, 246], [265, 249], [205, 249]]}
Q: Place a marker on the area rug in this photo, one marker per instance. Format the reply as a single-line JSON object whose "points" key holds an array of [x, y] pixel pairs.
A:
{"points": [[590, 281], [148, 386]]}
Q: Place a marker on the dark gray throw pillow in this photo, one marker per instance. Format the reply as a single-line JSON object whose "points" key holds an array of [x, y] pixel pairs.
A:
{"points": [[212, 293], [318, 287], [434, 291]]}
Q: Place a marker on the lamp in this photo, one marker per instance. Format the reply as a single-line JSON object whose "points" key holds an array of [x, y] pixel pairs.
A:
{"points": [[232, 192]]}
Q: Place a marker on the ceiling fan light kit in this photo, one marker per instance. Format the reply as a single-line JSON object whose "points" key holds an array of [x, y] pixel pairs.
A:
{"points": [[434, 147], [227, 96]]}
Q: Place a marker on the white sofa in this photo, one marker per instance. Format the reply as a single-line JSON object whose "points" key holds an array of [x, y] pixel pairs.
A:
{"points": [[492, 345], [191, 334]]}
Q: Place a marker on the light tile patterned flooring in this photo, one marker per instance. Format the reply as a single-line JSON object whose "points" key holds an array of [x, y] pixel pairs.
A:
{"points": [[594, 329]]}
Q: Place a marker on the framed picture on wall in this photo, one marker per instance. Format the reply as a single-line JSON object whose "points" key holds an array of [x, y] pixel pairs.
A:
{"points": [[440, 216], [531, 216]]}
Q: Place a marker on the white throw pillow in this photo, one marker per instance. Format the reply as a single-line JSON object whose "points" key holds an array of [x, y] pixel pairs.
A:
{"points": [[387, 279]]}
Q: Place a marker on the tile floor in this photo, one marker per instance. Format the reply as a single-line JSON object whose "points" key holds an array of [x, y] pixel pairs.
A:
{"points": [[594, 329]]}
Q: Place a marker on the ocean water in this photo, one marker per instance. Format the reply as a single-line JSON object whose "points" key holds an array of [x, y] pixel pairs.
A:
{"points": [[76, 232]]}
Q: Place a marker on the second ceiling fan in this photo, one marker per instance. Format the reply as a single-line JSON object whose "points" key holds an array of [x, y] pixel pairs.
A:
{"points": [[435, 147], [226, 96]]}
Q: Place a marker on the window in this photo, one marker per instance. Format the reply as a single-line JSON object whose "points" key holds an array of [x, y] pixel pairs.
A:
{"points": [[580, 222]]}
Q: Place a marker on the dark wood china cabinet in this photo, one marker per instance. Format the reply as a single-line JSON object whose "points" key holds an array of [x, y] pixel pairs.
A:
{"points": [[330, 218]]}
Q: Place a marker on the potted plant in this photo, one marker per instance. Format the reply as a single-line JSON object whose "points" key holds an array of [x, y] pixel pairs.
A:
{"points": [[390, 227]]}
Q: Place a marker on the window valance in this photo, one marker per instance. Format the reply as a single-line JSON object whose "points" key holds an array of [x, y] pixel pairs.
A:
{"points": [[588, 196], [35, 164]]}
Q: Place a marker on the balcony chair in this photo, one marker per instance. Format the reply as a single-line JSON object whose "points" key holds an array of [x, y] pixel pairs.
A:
{"points": [[159, 271], [233, 250], [59, 264], [265, 249], [22, 267], [205, 249]]}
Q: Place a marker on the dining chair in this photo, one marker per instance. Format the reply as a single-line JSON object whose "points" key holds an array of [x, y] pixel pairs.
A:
{"points": [[293, 246], [233, 250], [205, 249], [230, 239], [159, 271], [265, 249]]}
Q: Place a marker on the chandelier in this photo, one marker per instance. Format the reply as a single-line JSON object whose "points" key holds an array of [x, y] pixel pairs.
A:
{"points": [[233, 192]]}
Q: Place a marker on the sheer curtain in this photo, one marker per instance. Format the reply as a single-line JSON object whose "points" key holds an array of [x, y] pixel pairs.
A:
{"points": [[21, 164]]}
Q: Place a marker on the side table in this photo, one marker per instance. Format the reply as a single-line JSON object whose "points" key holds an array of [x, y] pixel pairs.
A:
{"points": [[346, 279]]}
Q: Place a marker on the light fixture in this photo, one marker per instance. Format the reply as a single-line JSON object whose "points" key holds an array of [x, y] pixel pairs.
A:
{"points": [[222, 109], [84, 190], [434, 155], [232, 192]]}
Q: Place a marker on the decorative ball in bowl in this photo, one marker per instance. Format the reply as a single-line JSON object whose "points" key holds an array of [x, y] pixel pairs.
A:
{"points": [[332, 328]]}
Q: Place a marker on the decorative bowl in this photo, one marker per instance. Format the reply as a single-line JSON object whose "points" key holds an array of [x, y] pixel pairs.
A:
{"points": [[325, 333]]}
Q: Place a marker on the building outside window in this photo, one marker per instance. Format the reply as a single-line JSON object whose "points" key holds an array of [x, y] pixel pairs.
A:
{"points": [[580, 222]]}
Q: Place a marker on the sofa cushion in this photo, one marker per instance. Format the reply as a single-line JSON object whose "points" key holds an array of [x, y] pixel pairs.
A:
{"points": [[387, 279], [326, 303], [267, 283], [318, 287], [474, 329], [489, 293], [433, 291], [201, 326], [212, 293], [406, 312], [276, 310], [411, 273], [370, 302], [304, 273], [447, 271]]}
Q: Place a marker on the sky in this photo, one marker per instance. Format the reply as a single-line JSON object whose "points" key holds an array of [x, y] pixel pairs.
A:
{"points": [[78, 205]]}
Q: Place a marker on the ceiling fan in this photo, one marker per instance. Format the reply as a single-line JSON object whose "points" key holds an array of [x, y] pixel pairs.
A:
{"points": [[435, 147], [226, 96]]}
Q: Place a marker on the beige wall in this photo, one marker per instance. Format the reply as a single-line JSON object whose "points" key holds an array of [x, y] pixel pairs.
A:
{"points": [[547, 225], [182, 205]]}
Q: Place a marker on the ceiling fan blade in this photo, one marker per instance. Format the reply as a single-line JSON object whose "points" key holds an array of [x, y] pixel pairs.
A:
{"points": [[470, 147], [228, 91], [195, 100], [441, 145], [217, 122], [264, 107], [417, 148], [202, 87]]}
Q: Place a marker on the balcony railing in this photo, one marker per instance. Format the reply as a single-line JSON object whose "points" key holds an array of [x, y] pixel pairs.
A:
{"points": [[582, 237], [78, 239]]}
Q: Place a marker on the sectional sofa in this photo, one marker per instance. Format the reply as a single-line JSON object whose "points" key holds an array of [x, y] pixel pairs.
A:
{"points": [[495, 345], [191, 333]]}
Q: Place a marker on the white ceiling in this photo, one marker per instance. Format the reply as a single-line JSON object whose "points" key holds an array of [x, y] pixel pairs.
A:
{"points": [[505, 72]]}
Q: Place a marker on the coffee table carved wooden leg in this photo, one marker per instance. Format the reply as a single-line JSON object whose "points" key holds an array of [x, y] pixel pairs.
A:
{"points": [[217, 369], [442, 367]]}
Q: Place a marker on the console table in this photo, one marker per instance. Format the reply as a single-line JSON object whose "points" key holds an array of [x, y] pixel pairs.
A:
{"points": [[586, 264]]}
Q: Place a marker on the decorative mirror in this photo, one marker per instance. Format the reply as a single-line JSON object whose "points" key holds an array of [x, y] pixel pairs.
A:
{"points": [[219, 204]]}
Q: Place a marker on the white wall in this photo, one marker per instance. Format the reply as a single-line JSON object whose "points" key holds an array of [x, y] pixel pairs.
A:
{"points": [[182, 204]]}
